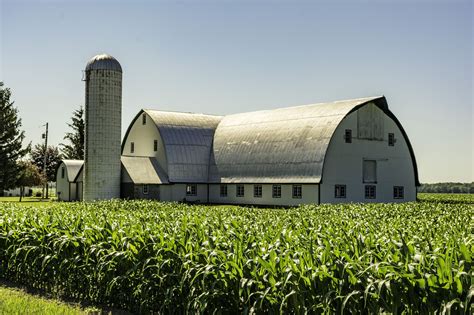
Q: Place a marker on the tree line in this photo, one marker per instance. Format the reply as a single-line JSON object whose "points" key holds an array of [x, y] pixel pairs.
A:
{"points": [[22, 166], [453, 188]]}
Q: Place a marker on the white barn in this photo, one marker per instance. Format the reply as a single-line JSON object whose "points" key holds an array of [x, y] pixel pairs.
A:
{"points": [[346, 151]]}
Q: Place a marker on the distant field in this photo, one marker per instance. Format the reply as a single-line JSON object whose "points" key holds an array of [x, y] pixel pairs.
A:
{"points": [[149, 256]]}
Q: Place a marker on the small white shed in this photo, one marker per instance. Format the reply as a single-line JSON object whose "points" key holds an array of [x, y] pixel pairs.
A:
{"points": [[69, 180]]}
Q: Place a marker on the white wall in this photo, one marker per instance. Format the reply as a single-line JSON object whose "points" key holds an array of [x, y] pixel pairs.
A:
{"points": [[343, 164], [62, 184], [143, 136], [177, 192], [309, 195]]}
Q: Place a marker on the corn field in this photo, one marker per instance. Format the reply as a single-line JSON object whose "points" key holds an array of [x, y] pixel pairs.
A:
{"points": [[150, 257]]}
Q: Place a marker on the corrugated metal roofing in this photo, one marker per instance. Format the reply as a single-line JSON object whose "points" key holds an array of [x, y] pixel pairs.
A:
{"points": [[73, 167], [144, 170], [188, 141], [286, 145], [103, 62]]}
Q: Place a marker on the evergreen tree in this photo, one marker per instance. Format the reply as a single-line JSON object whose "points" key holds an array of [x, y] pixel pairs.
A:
{"points": [[75, 150], [11, 141], [53, 160]]}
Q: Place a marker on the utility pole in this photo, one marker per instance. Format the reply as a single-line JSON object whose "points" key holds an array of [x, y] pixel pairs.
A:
{"points": [[45, 136]]}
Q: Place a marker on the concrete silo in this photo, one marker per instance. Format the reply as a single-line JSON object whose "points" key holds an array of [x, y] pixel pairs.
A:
{"points": [[103, 77]]}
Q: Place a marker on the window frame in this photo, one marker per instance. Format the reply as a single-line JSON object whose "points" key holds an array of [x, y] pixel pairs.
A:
{"points": [[223, 190], [276, 191], [155, 145], [143, 119], [257, 191], [391, 139], [132, 147], [296, 188], [239, 193], [348, 136], [63, 172], [340, 191], [191, 189], [145, 191], [368, 193], [397, 190]]}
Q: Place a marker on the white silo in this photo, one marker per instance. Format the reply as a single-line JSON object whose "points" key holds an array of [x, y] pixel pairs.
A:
{"points": [[103, 76]]}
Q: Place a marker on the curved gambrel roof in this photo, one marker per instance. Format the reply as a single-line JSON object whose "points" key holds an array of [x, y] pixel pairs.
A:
{"points": [[187, 139], [286, 145], [73, 168]]}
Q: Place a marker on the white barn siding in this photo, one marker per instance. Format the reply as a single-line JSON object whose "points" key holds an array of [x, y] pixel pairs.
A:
{"points": [[143, 137], [177, 192], [343, 163], [62, 183], [309, 195]]}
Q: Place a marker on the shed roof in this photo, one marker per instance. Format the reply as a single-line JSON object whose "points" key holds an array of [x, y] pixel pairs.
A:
{"points": [[144, 170], [285, 145], [73, 167]]}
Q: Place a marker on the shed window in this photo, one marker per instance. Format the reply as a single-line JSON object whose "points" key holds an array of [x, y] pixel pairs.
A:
{"points": [[145, 189], [391, 139], [143, 119], [155, 145], [240, 191], [340, 191], [63, 172], [132, 147], [369, 171], [257, 191], [191, 190], [348, 136], [276, 191], [297, 191], [398, 192], [370, 191], [223, 190]]}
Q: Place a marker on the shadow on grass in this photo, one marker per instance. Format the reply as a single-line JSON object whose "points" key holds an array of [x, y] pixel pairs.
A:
{"points": [[87, 307]]}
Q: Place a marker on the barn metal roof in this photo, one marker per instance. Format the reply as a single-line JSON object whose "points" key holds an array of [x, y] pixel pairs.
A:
{"points": [[144, 170], [188, 141], [73, 167], [286, 145], [103, 62]]}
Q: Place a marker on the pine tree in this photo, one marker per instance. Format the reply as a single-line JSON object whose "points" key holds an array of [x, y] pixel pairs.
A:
{"points": [[75, 150], [11, 141]]}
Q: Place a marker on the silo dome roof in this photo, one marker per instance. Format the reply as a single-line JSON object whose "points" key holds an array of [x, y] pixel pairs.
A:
{"points": [[103, 62]]}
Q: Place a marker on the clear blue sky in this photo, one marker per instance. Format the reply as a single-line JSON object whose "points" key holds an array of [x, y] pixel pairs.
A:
{"points": [[225, 57]]}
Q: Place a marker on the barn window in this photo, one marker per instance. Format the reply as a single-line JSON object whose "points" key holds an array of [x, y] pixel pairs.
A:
{"points": [[391, 139], [340, 191], [297, 191], [369, 171], [240, 192], [145, 189], [276, 191], [398, 192], [155, 145], [257, 191], [143, 119], [370, 191], [223, 190], [132, 147], [63, 172], [348, 136], [191, 190]]}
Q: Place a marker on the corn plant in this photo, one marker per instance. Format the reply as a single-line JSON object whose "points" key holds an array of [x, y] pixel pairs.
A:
{"points": [[165, 257]]}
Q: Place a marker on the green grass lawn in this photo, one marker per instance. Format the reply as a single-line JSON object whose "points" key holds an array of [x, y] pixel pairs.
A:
{"points": [[33, 201], [15, 301]]}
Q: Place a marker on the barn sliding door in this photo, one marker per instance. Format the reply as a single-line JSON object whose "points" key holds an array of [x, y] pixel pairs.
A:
{"points": [[369, 171]]}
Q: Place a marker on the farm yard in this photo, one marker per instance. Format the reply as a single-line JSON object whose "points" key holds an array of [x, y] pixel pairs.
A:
{"points": [[145, 256]]}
